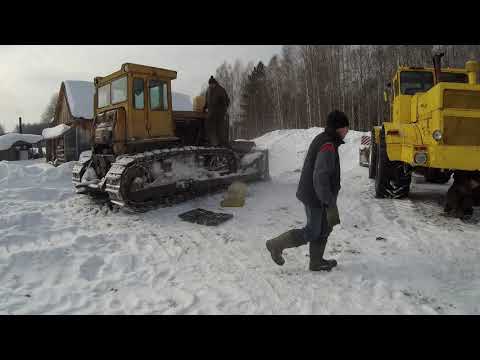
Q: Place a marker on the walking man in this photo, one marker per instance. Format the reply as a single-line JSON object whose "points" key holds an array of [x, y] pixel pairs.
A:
{"points": [[317, 190], [217, 102]]}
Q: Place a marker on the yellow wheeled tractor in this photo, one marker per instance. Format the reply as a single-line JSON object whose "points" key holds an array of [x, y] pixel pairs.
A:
{"points": [[434, 128], [143, 153]]}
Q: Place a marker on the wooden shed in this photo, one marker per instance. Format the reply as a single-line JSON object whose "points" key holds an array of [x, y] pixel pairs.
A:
{"points": [[70, 130]]}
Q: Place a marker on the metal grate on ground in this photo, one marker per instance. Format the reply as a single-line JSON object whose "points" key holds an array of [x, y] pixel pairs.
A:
{"points": [[205, 217]]}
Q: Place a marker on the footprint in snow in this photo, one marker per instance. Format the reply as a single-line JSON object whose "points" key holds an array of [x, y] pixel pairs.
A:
{"points": [[90, 268], [352, 251]]}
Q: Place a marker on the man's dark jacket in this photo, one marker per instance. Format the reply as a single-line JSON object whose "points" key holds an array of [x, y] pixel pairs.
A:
{"points": [[320, 179], [217, 101]]}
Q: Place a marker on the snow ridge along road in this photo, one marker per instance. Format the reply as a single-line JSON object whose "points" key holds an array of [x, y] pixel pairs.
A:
{"points": [[62, 253]]}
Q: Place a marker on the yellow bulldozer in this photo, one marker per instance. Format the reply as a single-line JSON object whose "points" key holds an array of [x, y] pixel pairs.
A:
{"points": [[434, 128], [144, 153]]}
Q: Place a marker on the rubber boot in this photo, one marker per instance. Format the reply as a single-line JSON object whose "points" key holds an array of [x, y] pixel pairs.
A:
{"points": [[289, 239], [317, 262]]}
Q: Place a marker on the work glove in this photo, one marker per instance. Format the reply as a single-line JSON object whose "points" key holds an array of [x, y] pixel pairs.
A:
{"points": [[333, 218]]}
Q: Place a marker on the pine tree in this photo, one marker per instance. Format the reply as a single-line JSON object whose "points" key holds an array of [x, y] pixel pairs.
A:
{"points": [[49, 111]]}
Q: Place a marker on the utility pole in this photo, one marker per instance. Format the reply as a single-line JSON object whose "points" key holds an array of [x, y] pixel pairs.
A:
{"points": [[20, 125]]}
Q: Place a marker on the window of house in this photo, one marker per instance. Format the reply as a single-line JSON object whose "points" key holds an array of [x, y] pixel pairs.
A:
{"points": [[158, 95], [119, 90], [138, 94], [104, 96]]}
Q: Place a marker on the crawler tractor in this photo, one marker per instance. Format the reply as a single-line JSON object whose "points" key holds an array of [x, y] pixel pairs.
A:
{"points": [[434, 128], [144, 153]]}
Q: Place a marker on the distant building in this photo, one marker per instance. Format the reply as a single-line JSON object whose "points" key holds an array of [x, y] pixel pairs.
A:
{"points": [[70, 129], [14, 146]]}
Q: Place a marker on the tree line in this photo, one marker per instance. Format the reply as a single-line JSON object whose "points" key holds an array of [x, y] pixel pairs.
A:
{"points": [[298, 88]]}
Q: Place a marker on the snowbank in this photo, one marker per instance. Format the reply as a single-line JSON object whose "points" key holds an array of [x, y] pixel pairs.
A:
{"points": [[7, 140], [51, 133], [181, 102], [80, 98], [288, 148], [34, 173]]}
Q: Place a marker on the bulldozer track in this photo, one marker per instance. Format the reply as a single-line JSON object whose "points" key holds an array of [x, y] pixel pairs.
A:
{"points": [[115, 187], [115, 182]]}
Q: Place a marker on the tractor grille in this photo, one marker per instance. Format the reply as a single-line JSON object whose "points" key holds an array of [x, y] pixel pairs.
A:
{"points": [[461, 131], [461, 99]]}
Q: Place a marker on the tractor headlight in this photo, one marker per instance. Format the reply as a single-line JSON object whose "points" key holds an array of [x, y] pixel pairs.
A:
{"points": [[420, 158], [437, 135]]}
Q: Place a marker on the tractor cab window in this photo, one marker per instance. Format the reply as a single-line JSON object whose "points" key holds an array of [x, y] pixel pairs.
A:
{"points": [[158, 95], [454, 77], [104, 96], [412, 82], [119, 90], [138, 94]]}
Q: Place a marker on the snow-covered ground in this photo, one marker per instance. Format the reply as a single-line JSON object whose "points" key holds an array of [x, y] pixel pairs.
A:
{"points": [[62, 253]]}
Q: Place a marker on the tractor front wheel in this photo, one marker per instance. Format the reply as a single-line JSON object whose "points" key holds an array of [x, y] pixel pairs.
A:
{"points": [[392, 178], [372, 162]]}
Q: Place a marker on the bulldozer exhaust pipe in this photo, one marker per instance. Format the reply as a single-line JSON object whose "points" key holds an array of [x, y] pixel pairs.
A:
{"points": [[437, 65], [472, 69]]}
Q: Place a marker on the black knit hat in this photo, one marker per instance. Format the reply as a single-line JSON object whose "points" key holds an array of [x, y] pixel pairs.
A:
{"points": [[337, 119], [212, 80]]}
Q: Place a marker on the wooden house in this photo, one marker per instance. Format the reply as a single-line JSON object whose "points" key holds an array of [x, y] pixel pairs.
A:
{"points": [[70, 130]]}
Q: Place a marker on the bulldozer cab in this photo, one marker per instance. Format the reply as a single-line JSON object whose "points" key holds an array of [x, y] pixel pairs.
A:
{"points": [[137, 102]]}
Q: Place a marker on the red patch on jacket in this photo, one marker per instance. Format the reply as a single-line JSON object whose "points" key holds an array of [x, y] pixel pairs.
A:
{"points": [[327, 147]]}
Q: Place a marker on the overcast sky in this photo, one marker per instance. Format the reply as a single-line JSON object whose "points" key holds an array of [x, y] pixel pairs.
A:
{"points": [[29, 75]]}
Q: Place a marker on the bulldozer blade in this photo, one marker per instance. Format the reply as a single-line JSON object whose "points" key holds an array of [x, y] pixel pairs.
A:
{"points": [[263, 165]]}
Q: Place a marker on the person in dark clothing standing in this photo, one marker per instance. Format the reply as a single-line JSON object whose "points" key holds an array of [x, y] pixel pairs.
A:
{"points": [[464, 194], [217, 102], [318, 190]]}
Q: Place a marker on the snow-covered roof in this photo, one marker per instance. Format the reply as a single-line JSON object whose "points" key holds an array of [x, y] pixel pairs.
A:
{"points": [[51, 133], [7, 140], [80, 98], [181, 102]]}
